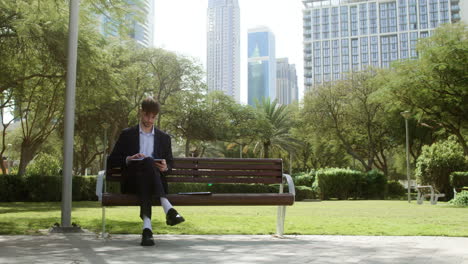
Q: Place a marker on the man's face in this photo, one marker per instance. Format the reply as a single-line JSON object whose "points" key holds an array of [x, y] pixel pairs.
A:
{"points": [[147, 119]]}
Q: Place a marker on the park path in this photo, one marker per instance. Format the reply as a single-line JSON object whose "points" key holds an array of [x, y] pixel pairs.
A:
{"points": [[88, 248]]}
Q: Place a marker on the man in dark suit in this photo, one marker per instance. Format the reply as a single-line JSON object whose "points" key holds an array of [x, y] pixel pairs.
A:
{"points": [[144, 153]]}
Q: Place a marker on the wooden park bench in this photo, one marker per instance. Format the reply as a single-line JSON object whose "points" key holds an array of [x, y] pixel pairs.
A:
{"points": [[428, 191], [213, 170]]}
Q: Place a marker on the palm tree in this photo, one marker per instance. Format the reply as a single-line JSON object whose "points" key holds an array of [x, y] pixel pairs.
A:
{"points": [[275, 135]]}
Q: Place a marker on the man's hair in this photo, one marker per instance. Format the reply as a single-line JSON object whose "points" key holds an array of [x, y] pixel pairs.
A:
{"points": [[150, 105]]}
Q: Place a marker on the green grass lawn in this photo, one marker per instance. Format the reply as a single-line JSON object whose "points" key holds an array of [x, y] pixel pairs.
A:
{"points": [[305, 218]]}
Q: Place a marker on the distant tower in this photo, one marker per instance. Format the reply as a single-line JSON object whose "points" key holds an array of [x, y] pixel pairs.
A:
{"points": [[262, 65], [286, 82], [142, 32], [223, 47]]}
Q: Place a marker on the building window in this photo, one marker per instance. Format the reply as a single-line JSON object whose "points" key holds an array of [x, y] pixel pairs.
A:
{"points": [[423, 14], [413, 42], [404, 46], [402, 15], [344, 21], [373, 18], [325, 23], [413, 15], [364, 51], [363, 19], [433, 14], [354, 20], [335, 26], [444, 11]]}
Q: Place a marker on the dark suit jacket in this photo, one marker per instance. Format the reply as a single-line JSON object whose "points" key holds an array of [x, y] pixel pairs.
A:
{"points": [[128, 144]]}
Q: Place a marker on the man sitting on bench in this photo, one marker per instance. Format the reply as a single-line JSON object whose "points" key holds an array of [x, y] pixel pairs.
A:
{"points": [[144, 154]]}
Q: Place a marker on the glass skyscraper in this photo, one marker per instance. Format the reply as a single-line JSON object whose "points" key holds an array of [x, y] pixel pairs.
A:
{"points": [[140, 29], [261, 65], [286, 82], [223, 47], [342, 36]]}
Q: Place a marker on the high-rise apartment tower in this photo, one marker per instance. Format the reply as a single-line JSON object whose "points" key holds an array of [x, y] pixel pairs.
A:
{"points": [[223, 47], [341, 36]]}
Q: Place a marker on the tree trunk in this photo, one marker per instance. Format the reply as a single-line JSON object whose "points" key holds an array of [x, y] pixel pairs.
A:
{"points": [[28, 151], [187, 147], [266, 150]]}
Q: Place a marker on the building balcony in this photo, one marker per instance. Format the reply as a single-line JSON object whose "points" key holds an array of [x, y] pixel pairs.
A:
{"points": [[455, 8], [455, 17], [307, 25]]}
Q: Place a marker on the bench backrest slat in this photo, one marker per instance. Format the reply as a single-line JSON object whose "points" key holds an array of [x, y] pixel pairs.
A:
{"points": [[219, 170], [221, 180]]}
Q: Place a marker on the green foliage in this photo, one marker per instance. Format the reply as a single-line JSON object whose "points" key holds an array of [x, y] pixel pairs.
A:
{"points": [[45, 164], [437, 162], [459, 179], [304, 192], [460, 200], [40, 188], [12, 188], [395, 190], [433, 86], [374, 185], [339, 183], [304, 179], [346, 183], [275, 129]]}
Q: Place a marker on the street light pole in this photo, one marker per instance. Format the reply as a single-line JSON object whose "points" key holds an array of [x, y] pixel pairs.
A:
{"points": [[70, 114], [407, 115]]}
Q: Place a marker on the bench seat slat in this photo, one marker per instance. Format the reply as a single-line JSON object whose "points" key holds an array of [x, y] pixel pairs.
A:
{"points": [[213, 199]]}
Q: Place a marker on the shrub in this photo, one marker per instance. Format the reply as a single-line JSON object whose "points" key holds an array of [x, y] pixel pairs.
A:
{"points": [[395, 190], [437, 162], [460, 200], [12, 188], [304, 192], [43, 188], [339, 183], [459, 179], [304, 179], [44, 164], [374, 185]]}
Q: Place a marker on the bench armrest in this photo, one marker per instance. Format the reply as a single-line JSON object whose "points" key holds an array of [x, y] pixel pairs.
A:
{"points": [[100, 184], [290, 181]]}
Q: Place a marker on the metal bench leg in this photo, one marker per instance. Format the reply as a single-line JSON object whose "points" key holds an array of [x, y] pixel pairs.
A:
{"points": [[420, 197], [103, 234], [280, 220]]}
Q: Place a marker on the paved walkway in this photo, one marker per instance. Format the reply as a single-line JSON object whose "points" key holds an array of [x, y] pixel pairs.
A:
{"points": [[88, 248]]}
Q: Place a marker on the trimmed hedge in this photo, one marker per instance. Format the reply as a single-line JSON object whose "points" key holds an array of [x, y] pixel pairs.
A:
{"points": [[346, 183], [304, 179], [35, 188], [459, 179], [395, 190]]}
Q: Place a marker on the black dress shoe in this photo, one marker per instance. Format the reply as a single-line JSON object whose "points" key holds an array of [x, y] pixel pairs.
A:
{"points": [[147, 237], [173, 218]]}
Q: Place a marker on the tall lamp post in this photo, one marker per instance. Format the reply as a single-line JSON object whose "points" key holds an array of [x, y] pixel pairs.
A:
{"points": [[407, 115]]}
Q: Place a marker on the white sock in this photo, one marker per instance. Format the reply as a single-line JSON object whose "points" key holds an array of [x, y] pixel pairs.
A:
{"points": [[165, 204], [147, 223]]}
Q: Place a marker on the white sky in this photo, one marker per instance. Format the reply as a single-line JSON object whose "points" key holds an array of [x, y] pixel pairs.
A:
{"points": [[180, 26]]}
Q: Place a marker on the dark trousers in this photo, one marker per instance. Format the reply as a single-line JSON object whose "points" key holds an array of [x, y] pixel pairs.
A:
{"points": [[146, 181]]}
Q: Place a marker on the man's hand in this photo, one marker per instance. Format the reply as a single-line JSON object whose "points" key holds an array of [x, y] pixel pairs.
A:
{"points": [[162, 166], [136, 156]]}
